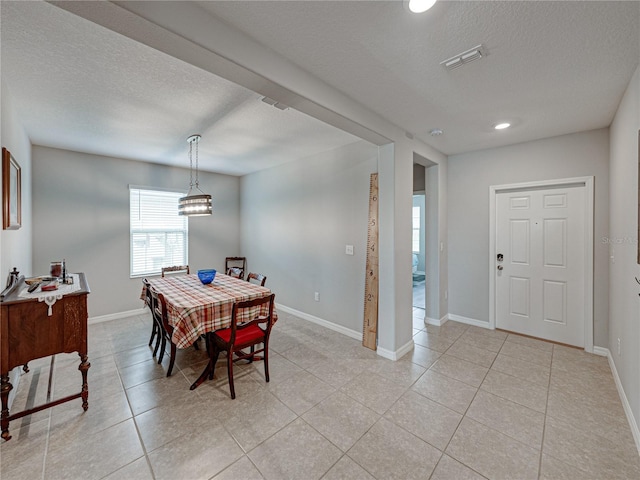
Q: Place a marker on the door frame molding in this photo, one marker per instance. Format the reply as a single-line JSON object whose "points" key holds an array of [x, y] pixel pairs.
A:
{"points": [[588, 183]]}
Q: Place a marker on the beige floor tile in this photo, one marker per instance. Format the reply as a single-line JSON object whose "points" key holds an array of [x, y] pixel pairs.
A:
{"points": [[526, 354], [173, 389], [302, 391], [530, 342], [336, 371], [590, 452], [373, 390], [553, 469], [472, 354], [402, 372], [279, 369], [446, 391], [450, 329], [341, 420], [461, 370], [199, 454], [426, 419], [514, 420], [390, 452], [86, 456], [164, 423], [487, 332], [145, 371], [242, 469], [137, 470], [450, 469], [589, 413], [253, 419], [69, 420], [482, 340], [22, 457], [422, 356], [517, 390], [439, 343], [528, 371], [492, 453], [296, 451], [347, 469]]}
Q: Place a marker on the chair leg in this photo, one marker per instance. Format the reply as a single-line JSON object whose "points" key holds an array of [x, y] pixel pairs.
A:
{"points": [[173, 359], [266, 363], [158, 340], [230, 373], [154, 328], [162, 349]]}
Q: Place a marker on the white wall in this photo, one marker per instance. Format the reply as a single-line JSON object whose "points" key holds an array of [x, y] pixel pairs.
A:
{"points": [[469, 178], [623, 234], [15, 245], [296, 221], [81, 214]]}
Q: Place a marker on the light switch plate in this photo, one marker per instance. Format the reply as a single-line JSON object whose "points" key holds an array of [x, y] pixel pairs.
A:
{"points": [[349, 250]]}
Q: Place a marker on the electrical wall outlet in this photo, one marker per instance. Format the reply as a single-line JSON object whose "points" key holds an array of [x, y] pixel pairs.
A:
{"points": [[317, 296], [349, 250]]}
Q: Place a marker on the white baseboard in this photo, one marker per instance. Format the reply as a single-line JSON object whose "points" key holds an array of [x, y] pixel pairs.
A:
{"points": [[469, 321], [116, 316], [435, 321], [319, 321], [398, 354], [635, 431]]}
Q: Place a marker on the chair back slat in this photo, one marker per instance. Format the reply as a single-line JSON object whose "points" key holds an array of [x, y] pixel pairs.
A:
{"points": [[176, 269], [256, 278]]}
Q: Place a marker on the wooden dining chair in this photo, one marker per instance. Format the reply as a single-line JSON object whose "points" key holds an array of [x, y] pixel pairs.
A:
{"points": [[166, 330], [155, 326], [244, 332], [256, 278], [175, 269], [236, 262], [235, 272]]}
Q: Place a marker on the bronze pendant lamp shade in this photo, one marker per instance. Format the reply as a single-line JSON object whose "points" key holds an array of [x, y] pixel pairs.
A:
{"points": [[196, 203]]}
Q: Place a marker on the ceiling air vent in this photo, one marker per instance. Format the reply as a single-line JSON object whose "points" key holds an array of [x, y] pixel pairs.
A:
{"points": [[274, 103], [465, 57]]}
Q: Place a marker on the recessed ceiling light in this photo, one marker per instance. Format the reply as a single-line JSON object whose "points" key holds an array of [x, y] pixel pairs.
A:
{"points": [[502, 126], [436, 132], [420, 6]]}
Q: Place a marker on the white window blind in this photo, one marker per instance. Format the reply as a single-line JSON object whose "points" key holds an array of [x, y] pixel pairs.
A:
{"points": [[159, 236]]}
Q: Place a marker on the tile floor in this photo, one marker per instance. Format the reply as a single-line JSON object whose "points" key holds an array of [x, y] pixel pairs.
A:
{"points": [[467, 403]]}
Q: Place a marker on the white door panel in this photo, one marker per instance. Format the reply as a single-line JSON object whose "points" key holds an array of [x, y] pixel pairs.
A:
{"points": [[540, 288]]}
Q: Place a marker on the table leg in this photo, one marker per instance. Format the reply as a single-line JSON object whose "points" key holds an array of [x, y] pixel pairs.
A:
{"points": [[84, 367], [202, 377], [5, 388]]}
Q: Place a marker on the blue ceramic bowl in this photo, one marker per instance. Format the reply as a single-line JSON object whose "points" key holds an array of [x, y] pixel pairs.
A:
{"points": [[206, 276]]}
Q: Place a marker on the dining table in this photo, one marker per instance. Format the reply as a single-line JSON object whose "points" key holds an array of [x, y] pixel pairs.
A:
{"points": [[195, 309]]}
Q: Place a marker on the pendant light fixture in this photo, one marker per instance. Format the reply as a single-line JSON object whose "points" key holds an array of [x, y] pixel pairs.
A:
{"points": [[196, 203]]}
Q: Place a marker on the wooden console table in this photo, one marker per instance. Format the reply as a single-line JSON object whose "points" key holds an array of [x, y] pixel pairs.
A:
{"points": [[30, 329]]}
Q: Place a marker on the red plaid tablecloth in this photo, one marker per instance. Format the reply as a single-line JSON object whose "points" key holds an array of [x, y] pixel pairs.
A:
{"points": [[194, 309]]}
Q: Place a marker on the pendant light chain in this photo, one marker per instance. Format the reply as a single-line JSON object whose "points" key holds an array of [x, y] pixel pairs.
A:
{"points": [[190, 165], [197, 140]]}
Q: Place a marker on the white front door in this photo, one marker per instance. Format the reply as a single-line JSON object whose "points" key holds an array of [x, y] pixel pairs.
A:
{"points": [[540, 277]]}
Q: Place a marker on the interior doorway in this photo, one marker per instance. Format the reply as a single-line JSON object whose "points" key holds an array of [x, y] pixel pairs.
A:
{"points": [[418, 265]]}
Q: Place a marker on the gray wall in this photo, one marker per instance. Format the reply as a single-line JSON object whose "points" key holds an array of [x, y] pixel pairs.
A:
{"points": [[470, 175], [624, 301], [81, 213], [15, 245], [297, 220]]}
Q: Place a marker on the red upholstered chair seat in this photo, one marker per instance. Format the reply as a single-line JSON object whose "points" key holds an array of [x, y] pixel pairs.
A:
{"points": [[251, 333]]}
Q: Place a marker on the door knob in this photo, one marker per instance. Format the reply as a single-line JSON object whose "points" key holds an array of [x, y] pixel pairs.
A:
{"points": [[500, 267]]}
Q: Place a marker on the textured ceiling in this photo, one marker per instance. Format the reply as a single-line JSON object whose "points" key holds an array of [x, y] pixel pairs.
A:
{"points": [[82, 87], [552, 68]]}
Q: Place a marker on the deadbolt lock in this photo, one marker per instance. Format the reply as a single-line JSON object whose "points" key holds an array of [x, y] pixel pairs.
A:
{"points": [[500, 257]]}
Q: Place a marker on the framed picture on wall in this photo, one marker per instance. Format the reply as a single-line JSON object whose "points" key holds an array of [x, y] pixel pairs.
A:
{"points": [[11, 192]]}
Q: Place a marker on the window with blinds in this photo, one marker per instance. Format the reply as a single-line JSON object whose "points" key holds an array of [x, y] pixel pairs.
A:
{"points": [[159, 236]]}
